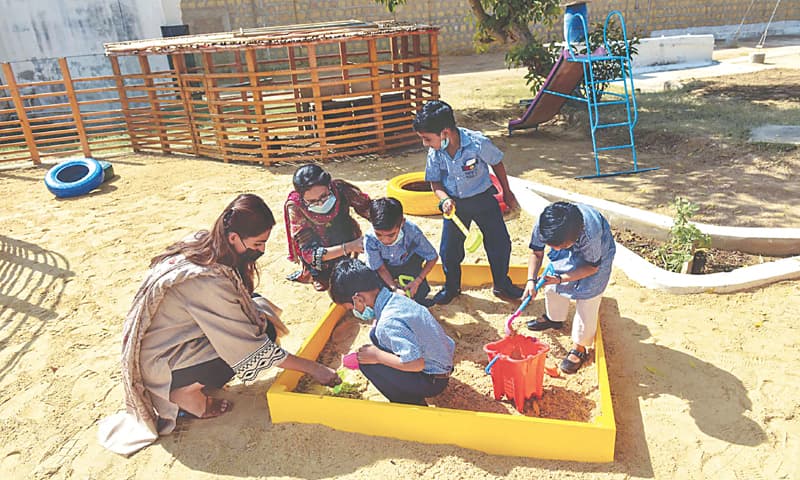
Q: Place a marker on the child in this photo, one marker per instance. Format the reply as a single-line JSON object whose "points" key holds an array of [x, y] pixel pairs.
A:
{"points": [[411, 357], [397, 247], [458, 169], [582, 251]]}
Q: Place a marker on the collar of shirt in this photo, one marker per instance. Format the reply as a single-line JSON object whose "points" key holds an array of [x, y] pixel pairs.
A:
{"points": [[381, 300]]}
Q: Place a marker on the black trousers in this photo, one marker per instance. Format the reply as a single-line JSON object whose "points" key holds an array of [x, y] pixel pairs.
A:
{"points": [[412, 267], [213, 373]]}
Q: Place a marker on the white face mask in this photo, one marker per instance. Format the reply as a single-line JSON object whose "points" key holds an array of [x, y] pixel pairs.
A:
{"points": [[398, 239], [325, 207], [444, 144]]}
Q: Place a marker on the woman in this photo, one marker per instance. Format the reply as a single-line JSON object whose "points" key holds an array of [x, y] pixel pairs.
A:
{"points": [[319, 227], [194, 324]]}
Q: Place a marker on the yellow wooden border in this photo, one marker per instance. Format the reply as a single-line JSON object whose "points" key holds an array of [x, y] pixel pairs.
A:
{"points": [[492, 433]]}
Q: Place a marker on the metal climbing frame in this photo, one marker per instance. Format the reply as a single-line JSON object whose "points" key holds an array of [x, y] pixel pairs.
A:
{"points": [[595, 101]]}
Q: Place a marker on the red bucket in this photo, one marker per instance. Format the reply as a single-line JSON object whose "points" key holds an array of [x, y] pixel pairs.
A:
{"points": [[518, 371]]}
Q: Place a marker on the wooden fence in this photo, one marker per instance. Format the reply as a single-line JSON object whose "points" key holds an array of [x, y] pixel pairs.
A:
{"points": [[306, 101]]}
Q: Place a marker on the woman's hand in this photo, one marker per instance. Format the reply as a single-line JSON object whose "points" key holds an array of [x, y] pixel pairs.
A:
{"points": [[368, 354], [356, 246], [326, 376]]}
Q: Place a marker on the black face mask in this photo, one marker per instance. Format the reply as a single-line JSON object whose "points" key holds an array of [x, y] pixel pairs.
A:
{"points": [[250, 255]]}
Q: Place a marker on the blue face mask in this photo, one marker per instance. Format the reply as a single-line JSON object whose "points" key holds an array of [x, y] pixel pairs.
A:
{"points": [[325, 207], [398, 239], [367, 315], [444, 144]]}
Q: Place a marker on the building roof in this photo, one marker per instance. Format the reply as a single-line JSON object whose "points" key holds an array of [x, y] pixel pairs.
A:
{"points": [[263, 37]]}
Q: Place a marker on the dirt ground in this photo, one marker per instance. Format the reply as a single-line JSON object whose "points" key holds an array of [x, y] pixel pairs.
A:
{"points": [[703, 386]]}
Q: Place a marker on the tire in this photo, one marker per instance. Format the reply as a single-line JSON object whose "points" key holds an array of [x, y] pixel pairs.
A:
{"points": [[74, 177], [417, 200], [108, 170]]}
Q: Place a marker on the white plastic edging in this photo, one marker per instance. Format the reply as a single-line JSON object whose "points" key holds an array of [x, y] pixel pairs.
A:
{"points": [[648, 275], [753, 240]]}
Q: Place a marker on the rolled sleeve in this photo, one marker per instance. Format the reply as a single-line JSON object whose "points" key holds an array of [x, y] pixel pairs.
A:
{"points": [[372, 251], [433, 168], [489, 153], [213, 303], [422, 246], [537, 243]]}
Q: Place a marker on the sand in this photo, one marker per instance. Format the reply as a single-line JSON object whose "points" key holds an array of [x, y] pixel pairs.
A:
{"points": [[703, 386]]}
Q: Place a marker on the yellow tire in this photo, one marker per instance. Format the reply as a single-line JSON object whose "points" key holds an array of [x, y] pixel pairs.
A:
{"points": [[414, 194]]}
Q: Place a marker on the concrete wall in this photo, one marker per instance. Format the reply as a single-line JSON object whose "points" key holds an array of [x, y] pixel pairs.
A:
{"points": [[457, 23], [33, 32]]}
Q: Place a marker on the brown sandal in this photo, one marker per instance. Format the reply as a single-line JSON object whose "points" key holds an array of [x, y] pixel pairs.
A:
{"points": [[214, 408]]}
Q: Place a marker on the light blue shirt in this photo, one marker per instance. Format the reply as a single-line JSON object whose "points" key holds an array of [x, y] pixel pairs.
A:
{"points": [[413, 241], [409, 330], [595, 246], [466, 174]]}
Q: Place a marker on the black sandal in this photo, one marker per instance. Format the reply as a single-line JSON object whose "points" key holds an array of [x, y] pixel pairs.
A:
{"points": [[568, 366], [543, 324]]}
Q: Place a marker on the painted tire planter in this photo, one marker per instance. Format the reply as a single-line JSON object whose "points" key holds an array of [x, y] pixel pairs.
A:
{"points": [[74, 177], [415, 194]]}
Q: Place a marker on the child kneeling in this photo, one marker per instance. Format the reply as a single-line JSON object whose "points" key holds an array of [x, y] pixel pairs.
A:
{"points": [[395, 247], [411, 357]]}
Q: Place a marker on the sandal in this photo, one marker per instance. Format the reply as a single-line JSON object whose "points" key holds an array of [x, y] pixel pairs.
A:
{"points": [[301, 276], [568, 366], [214, 408], [320, 285], [543, 323]]}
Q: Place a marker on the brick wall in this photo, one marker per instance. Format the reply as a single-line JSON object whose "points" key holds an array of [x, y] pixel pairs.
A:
{"points": [[456, 20]]}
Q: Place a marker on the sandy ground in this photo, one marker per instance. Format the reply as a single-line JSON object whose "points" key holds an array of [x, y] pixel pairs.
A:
{"points": [[703, 385]]}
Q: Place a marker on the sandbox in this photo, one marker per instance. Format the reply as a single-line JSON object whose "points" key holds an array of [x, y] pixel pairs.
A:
{"points": [[496, 432]]}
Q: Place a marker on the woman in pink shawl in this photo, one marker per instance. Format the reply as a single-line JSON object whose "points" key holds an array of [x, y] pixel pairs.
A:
{"points": [[319, 227], [194, 324]]}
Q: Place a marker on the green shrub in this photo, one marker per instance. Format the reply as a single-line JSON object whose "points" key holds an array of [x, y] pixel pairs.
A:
{"points": [[684, 237]]}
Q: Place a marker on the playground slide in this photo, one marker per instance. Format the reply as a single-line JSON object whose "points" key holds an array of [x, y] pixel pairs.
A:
{"points": [[564, 77]]}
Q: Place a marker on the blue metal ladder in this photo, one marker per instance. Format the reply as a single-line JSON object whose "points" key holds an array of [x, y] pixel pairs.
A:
{"points": [[595, 100]]}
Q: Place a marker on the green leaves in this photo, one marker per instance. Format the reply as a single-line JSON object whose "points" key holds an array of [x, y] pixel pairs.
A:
{"points": [[684, 237]]}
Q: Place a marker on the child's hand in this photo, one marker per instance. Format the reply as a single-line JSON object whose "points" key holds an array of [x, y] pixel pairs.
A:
{"points": [[530, 289], [510, 199], [413, 287], [448, 205], [368, 354]]}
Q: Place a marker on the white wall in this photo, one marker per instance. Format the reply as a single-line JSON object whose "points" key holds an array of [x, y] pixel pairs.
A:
{"points": [[32, 30]]}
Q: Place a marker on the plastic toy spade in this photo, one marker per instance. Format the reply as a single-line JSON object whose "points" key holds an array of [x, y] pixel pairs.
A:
{"points": [[547, 271], [474, 237], [404, 280]]}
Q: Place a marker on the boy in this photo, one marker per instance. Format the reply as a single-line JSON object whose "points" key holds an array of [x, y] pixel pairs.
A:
{"points": [[458, 169], [581, 251], [411, 357], [397, 247]]}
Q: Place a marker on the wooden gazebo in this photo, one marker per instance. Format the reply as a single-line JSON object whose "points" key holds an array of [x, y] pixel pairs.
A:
{"points": [[302, 92]]}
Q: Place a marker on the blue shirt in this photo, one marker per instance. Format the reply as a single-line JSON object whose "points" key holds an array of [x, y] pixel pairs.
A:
{"points": [[409, 330], [466, 174], [595, 246], [413, 241]]}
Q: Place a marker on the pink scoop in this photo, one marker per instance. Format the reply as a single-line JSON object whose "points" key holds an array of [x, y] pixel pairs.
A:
{"points": [[351, 361]]}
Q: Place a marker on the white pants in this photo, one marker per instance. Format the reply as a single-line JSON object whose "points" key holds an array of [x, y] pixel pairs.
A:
{"points": [[584, 324]]}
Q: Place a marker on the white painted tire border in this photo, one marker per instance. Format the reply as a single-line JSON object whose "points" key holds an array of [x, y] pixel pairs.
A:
{"points": [[650, 276]]}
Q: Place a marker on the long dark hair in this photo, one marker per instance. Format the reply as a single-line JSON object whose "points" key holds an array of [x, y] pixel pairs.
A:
{"points": [[248, 216]]}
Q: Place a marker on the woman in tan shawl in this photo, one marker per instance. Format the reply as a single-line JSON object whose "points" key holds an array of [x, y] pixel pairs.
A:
{"points": [[194, 324]]}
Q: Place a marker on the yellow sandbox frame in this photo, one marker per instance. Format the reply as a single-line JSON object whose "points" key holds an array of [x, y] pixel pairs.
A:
{"points": [[492, 433]]}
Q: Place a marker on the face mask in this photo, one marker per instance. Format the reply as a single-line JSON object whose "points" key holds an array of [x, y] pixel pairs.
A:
{"points": [[367, 315], [398, 239], [250, 255], [445, 143], [325, 207]]}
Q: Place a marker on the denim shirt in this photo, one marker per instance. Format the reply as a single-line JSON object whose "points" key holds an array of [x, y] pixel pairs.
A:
{"points": [[414, 241], [409, 330], [595, 246], [466, 174]]}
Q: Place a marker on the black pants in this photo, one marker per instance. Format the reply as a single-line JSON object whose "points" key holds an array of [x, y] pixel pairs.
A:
{"points": [[412, 267], [402, 387], [213, 373]]}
